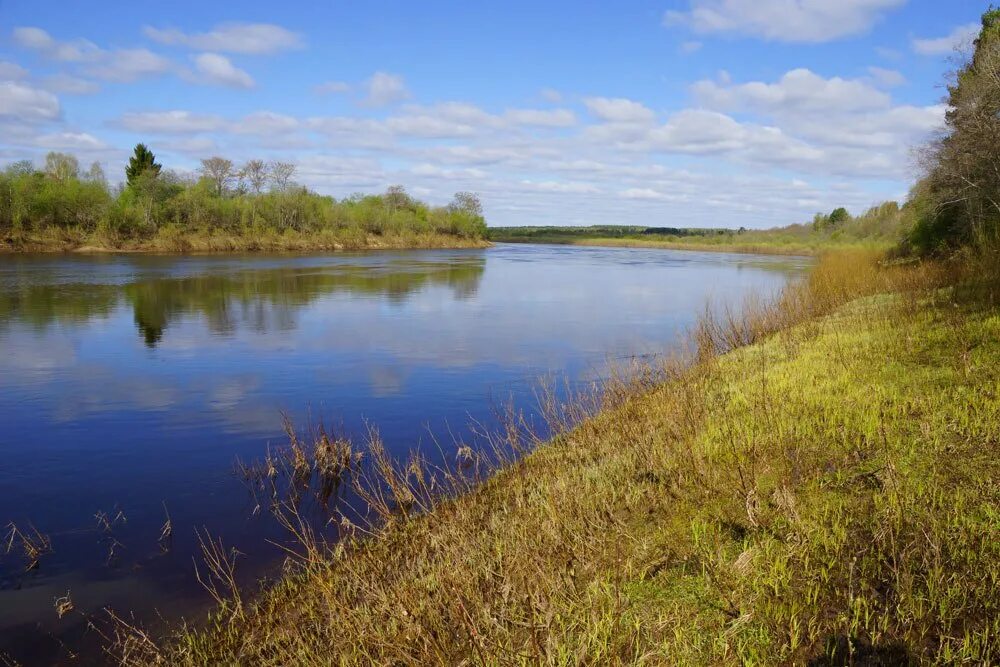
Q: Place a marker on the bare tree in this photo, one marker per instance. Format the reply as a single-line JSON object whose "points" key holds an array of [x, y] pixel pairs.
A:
{"points": [[96, 174], [467, 202], [254, 172], [396, 197], [220, 171], [281, 174], [61, 166]]}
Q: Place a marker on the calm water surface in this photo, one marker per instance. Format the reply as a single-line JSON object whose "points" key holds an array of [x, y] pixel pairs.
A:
{"points": [[133, 382]]}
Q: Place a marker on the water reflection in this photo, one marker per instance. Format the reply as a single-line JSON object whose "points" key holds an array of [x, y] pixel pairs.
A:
{"points": [[257, 300]]}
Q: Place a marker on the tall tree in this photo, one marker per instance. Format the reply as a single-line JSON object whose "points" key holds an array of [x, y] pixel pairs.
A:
{"points": [[960, 196], [219, 171], [467, 202], [61, 166], [254, 172], [281, 175], [96, 174], [142, 160]]}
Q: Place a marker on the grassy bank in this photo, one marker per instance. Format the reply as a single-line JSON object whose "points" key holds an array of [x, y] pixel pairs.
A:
{"points": [[176, 240], [879, 228], [818, 486], [752, 244]]}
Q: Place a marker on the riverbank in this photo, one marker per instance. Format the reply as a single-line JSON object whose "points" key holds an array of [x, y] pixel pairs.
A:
{"points": [[174, 241], [824, 492], [761, 247]]}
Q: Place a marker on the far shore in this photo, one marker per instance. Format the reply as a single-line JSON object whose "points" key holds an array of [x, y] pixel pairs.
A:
{"points": [[732, 248], [222, 243]]}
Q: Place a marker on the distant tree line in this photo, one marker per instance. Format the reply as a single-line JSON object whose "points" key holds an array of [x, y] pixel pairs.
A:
{"points": [[222, 197]]}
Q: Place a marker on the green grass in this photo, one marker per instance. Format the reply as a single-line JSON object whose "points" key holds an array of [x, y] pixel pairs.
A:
{"points": [[774, 242], [826, 493]]}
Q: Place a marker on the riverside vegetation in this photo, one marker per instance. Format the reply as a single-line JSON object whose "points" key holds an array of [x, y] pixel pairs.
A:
{"points": [[880, 227], [255, 207], [812, 482]]}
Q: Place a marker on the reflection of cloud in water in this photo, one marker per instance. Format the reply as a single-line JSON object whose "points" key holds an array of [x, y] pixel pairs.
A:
{"points": [[386, 380]]}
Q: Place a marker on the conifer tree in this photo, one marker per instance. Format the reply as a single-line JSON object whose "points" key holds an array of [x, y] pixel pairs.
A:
{"points": [[142, 160]]}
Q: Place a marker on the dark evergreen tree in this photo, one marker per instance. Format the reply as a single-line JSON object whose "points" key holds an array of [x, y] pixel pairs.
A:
{"points": [[142, 160]]}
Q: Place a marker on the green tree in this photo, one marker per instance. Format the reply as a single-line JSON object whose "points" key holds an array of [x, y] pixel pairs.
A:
{"points": [[838, 216], [142, 160], [962, 186]]}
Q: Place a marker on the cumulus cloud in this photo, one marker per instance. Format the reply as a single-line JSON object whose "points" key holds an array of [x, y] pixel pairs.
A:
{"points": [[959, 38], [213, 68], [550, 95], [170, 122], [11, 71], [332, 88], [619, 110], [798, 91], [383, 89], [782, 20], [24, 103], [561, 186], [887, 78], [245, 38], [266, 123], [541, 117], [119, 65], [128, 65], [70, 85], [36, 39], [70, 141]]}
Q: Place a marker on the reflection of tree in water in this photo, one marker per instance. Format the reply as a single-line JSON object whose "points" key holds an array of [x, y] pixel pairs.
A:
{"points": [[259, 300], [269, 300], [39, 306]]}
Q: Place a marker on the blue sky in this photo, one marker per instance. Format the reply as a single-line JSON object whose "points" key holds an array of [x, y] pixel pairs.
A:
{"points": [[678, 112]]}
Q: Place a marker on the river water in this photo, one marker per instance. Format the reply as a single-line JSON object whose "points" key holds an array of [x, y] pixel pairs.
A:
{"points": [[129, 385]]}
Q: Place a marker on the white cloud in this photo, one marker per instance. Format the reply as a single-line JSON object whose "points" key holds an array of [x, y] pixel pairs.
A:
{"points": [[887, 78], [70, 141], [958, 38], [551, 95], [217, 69], [36, 39], [690, 46], [383, 88], [561, 186], [11, 71], [245, 38], [70, 85], [619, 110], [783, 20], [798, 91], [332, 88], [128, 65], [645, 193], [541, 117], [27, 104], [198, 146], [170, 122], [266, 123]]}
